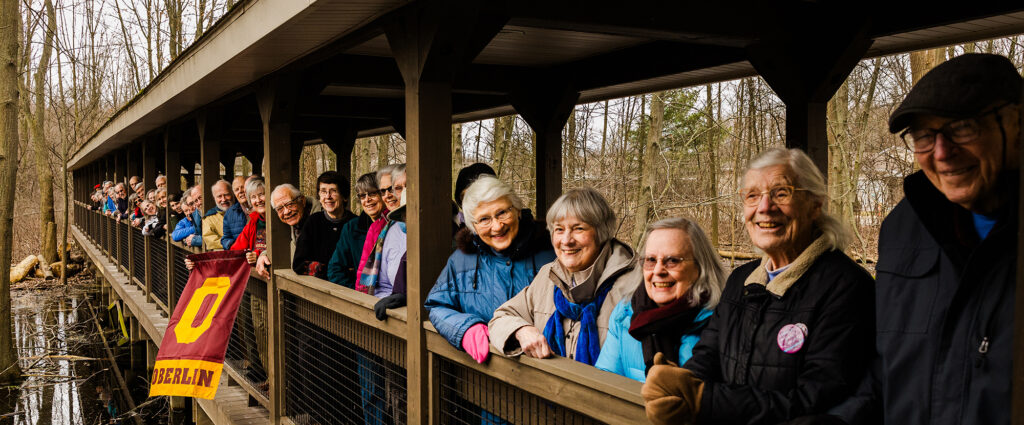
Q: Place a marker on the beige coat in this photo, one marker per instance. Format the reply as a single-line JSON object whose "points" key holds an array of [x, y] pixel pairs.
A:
{"points": [[213, 230], [535, 304]]}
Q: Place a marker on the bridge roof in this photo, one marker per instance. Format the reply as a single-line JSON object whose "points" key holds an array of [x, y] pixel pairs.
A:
{"points": [[339, 51]]}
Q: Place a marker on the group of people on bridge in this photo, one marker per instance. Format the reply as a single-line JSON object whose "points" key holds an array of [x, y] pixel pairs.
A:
{"points": [[803, 335]]}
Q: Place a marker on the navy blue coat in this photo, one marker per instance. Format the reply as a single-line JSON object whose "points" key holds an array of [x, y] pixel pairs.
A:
{"points": [[477, 280]]}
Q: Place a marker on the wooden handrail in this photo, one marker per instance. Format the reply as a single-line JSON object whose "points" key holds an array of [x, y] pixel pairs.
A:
{"points": [[604, 396]]}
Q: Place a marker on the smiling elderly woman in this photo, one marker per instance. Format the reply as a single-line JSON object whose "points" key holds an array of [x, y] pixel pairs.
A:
{"points": [[500, 251], [683, 281], [565, 310], [794, 331]]}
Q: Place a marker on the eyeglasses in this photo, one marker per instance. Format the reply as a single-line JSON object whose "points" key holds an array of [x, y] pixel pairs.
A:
{"points": [[291, 205], [328, 192], [670, 263], [364, 195], [960, 132], [779, 195], [503, 216]]}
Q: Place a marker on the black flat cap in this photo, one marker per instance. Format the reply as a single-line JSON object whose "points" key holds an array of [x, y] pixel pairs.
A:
{"points": [[960, 88]]}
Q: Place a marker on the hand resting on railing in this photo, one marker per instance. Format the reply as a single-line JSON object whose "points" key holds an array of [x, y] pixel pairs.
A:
{"points": [[533, 343]]}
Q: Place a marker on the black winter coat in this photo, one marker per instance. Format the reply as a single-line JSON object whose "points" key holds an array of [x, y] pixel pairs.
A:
{"points": [[945, 315], [750, 380]]}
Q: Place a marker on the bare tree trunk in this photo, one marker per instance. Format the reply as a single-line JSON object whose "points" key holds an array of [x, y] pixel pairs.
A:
{"points": [[42, 150], [648, 172], [713, 159], [9, 370], [923, 61]]}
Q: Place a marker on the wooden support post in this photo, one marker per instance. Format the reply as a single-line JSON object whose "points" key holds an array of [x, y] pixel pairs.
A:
{"points": [[341, 140], [807, 82], [546, 103], [172, 165], [1017, 396], [209, 127], [149, 164], [276, 105], [430, 45]]}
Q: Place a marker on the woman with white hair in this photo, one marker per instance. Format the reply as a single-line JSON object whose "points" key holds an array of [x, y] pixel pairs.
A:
{"points": [[253, 238], [794, 331], [499, 252], [565, 310], [683, 279]]}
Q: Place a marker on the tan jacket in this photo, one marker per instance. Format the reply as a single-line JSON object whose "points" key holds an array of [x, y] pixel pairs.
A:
{"points": [[535, 304], [213, 230]]}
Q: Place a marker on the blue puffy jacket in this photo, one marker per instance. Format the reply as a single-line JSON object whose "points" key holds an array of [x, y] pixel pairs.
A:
{"points": [[234, 221], [477, 280], [184, 228], [623, 355]]}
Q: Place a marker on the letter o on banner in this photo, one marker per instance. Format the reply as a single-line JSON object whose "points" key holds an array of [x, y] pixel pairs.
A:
{"points": [[184, 332]]}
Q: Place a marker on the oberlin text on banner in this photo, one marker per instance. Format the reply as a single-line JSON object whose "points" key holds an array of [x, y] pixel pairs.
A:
{"points": [[191, 354]]}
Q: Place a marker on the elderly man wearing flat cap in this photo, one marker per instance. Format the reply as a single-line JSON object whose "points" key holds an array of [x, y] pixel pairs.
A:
{"points": [[947, 254]]}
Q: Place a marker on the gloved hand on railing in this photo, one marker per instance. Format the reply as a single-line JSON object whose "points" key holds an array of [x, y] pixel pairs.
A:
{"points": [[476, 341], [672, 394], [391, 301]]}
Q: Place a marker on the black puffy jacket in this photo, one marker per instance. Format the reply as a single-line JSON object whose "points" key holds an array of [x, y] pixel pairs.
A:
{"points": [[945, 315], [750, 380]]}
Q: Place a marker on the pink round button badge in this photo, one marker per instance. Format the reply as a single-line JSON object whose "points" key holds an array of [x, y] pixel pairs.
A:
{"points": [[791, 337]]}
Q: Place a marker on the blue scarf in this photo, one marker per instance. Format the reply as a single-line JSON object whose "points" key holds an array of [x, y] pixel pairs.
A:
{"points": [[588, 346]]}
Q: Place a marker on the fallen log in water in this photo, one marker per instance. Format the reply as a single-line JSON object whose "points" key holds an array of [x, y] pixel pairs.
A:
{"points": [[19, 271]]}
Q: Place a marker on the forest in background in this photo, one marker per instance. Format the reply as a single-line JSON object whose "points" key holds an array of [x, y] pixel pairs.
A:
{"points": [[676, 152]]}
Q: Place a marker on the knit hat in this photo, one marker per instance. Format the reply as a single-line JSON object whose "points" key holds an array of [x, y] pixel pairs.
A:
{"points": [[960, 88], [466, 177]]}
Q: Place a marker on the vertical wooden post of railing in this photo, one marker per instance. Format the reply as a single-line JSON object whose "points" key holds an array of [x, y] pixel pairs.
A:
{"points": [[281, 154], [546, 102], [429, 45], [172, 166], [208, 124], [129, 167], [149, 166]]}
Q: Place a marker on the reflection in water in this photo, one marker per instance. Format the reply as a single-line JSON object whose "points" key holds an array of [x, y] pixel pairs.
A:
{"points": [[55, 341]]}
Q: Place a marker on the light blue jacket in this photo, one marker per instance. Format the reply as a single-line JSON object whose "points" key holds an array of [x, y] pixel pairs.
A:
{"points": [[623, 355]]}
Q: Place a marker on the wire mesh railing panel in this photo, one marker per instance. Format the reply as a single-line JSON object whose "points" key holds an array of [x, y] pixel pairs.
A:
{"points": [[470, 397], [248, 346], [339, 370], [138, 256], [124, 247], [180, 272], [158, 268], [104, 233]]}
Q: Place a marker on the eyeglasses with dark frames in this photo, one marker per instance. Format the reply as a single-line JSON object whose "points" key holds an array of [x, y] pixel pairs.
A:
{"points": [[959, 132]]}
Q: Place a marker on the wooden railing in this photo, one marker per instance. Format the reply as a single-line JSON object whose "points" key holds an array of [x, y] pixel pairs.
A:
{"points": [[339, 363]]}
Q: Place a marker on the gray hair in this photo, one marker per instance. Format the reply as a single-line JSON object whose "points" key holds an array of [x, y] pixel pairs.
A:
{"points": [[397, 170], [367, 183], [587, 205], [293, 192], [221, 181], [385, 171], [711, 279], [807, 177], [486, 188], [253, 185]]}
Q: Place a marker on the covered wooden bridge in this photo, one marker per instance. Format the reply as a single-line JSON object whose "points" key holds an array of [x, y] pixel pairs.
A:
{"points": [[275, 75]]}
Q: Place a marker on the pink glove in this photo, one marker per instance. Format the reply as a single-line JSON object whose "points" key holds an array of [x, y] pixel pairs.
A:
{"points": [[476, 341]]}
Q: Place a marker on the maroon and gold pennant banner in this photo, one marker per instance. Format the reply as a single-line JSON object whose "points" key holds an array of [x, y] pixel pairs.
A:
{"points": [[191, 355]]}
